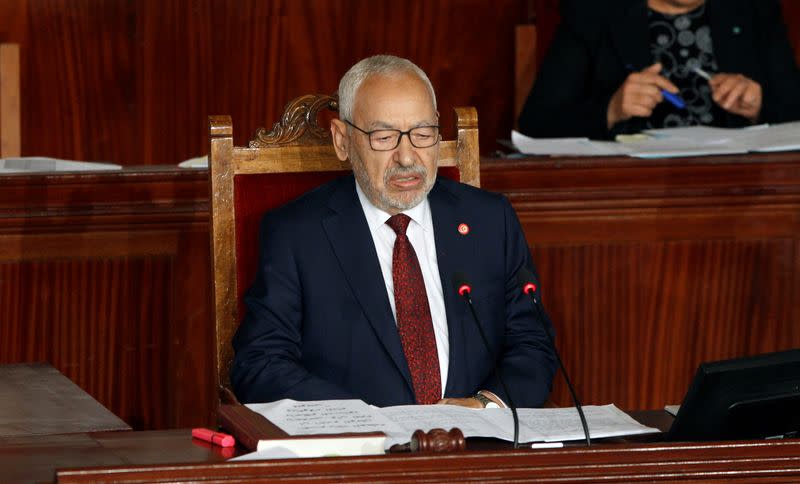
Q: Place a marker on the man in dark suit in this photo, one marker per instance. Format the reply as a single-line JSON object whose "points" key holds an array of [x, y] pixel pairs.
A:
{"points": [[355, 298], [610, 61]]}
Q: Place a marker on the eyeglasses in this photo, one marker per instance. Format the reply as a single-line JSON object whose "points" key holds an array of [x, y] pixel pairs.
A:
{"points": [[389, 139]]}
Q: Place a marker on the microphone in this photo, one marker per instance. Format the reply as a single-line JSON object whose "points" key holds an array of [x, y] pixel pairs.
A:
{"points": [[465, 290], [530, 287]]}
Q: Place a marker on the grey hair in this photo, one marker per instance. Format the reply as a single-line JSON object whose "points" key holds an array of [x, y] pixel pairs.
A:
{"points": [[387, 65]]}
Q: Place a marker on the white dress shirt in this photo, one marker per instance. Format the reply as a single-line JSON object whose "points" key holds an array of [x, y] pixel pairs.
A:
{"points": [[420, 234]]}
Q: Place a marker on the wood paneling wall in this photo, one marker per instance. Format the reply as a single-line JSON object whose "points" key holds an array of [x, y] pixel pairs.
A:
{"points": [[133, 81], [650, 267]]}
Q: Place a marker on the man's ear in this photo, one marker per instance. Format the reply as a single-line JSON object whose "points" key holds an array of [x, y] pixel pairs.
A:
{"points": [[340, 138]]}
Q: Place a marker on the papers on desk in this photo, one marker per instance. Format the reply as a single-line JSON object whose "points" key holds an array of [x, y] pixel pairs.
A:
{"points": [[762, 138], [535, 424], [672, 409], [673, 142], [565, 146], [33, 164], [197, 162], [398, 423], [778, 137], [674, 147]]}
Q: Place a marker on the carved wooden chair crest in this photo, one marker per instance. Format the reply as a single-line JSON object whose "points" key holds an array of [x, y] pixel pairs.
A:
{"points": [[277, 166]]}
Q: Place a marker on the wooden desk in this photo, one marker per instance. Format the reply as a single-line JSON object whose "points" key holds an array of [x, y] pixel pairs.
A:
{"points": [[709, 463], [35, 399], [36, 458], [174, 456], [609, 462]]}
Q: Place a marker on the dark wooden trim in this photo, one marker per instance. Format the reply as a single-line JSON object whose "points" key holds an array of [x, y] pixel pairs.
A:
{"points": [[709, 462]]}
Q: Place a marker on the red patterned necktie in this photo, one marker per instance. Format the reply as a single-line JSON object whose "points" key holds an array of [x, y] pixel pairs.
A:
{"points": [[414, 321]]}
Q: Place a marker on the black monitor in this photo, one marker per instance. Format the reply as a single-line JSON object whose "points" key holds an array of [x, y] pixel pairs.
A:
{"points": [[756, 397]]}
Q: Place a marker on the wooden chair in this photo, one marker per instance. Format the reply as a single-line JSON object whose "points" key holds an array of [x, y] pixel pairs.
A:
{"points": [[278, 166]]}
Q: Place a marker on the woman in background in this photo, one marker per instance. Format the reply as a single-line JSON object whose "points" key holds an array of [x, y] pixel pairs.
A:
{"points": [[724, 63]]}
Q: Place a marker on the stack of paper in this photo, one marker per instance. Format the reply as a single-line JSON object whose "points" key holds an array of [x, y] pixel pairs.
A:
{"points": [[565, 146], [197, 162], [777, 137], [34, 164], [672, 142]]}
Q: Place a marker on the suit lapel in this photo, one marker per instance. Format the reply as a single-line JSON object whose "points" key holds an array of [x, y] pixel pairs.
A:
{"points": [[349, 235], [631, 35], [453, 251]]}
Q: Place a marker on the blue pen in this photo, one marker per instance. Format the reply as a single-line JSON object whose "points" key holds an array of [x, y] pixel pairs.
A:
{"points": [[673, 99]]}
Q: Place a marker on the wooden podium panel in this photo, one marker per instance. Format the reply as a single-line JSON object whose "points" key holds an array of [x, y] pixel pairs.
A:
{"points": [[649, 267], [106, 276], [711, 462]]}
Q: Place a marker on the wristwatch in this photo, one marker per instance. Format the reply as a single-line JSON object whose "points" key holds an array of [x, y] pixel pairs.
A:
{"points": [[485, 401]]}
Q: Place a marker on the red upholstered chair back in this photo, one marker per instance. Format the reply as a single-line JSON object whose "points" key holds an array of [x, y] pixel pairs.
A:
{"points": [[278, 166]]}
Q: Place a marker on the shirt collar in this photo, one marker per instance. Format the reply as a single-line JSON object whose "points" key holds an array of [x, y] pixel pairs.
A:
{"points": [[377, 217]]}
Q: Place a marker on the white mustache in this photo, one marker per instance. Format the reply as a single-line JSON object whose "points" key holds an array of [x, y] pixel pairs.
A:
{"points": [[405, 171]]}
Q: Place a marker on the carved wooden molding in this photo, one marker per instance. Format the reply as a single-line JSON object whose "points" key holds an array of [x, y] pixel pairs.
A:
{"points": [[299, 124]]}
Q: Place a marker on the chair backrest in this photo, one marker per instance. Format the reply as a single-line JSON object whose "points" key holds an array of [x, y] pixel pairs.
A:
{"points": [[278, 166]]}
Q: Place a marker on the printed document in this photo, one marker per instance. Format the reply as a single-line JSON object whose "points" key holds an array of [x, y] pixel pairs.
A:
{"points": [[398, 423]]}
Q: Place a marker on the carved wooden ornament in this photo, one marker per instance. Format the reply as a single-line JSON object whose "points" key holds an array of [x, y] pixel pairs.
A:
{"points": [[299, 124]]}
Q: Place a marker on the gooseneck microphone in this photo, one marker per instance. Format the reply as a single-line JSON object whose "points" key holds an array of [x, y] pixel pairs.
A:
{"points": [[530, 287], [464, 290]]}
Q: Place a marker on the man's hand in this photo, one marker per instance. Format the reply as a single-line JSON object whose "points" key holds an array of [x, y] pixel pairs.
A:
{"points": [[737, 94], [638, 95], [472, 402], [462, 402]]}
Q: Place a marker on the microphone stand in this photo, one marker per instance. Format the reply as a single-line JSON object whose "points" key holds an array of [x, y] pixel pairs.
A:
{"points": [[531, 291], [464, 291]]}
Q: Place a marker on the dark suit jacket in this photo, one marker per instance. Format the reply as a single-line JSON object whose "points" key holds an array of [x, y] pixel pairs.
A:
{"points": [[587, 60], [319, 324]]}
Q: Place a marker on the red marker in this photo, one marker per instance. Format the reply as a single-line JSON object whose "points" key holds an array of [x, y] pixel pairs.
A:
{"points": [[216, 438]]}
